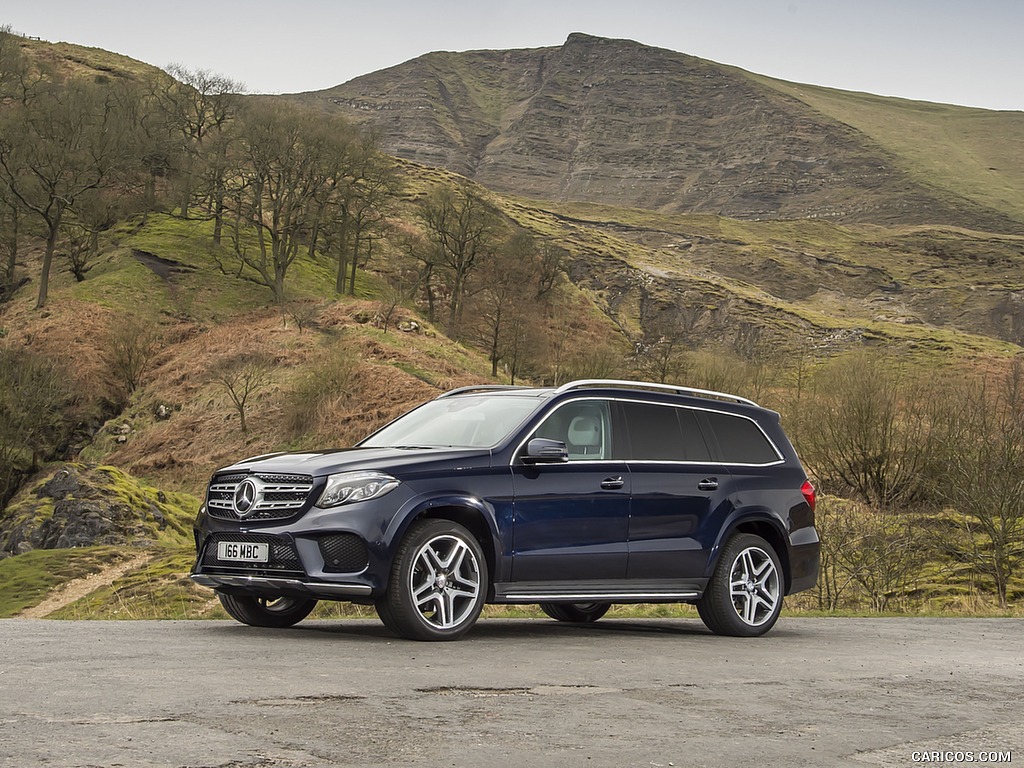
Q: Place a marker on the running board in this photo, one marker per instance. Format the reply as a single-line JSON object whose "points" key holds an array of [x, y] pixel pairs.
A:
{"points": [[610, 592]]}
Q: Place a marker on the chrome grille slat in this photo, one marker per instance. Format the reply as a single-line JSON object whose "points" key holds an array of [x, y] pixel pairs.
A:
{"points": [[281, 495]]}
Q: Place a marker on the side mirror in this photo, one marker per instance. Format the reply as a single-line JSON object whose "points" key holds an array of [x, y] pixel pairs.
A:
{"points": [[541, 450]]}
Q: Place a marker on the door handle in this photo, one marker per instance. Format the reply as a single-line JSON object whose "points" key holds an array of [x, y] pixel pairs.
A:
{"points": [[708, 484], [612, 483]]}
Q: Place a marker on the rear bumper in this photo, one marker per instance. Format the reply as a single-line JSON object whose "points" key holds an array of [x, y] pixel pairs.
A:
{"points": [[804, 560]]}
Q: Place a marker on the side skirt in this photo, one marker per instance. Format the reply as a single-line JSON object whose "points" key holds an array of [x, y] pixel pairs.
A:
{"points": [[647, 591]]}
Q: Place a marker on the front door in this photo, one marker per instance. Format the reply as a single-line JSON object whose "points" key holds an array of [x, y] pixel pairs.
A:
{"points": [[571, 520]]}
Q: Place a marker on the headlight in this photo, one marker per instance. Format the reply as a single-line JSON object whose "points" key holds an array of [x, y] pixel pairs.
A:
{"points": [[350, 487]]}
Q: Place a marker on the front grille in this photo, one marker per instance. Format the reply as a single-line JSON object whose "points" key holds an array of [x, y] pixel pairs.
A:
{"points": [[278, 495], [343, 553], [283, 556]]}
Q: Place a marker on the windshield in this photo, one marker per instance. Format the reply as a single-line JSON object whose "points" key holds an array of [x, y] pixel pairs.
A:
{"points": [[467, 421]]}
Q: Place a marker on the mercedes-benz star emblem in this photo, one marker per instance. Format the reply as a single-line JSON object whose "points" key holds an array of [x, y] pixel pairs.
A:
{"points": [[246, 495]]}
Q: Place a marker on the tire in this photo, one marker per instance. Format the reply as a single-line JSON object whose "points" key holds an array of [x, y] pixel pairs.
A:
{"points": [[438, 583], [744, 596], [580, 613], [266, 611]]}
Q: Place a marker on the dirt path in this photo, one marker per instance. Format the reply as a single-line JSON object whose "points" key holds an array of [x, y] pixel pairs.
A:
{"points": [[79, 588]]}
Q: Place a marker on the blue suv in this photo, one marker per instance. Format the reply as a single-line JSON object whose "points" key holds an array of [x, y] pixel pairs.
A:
{"points": [[576, 497]]}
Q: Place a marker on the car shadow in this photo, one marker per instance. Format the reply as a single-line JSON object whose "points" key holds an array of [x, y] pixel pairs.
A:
{"points": [[370, 630]]}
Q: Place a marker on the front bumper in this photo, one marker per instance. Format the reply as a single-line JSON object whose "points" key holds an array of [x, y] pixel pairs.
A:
{"points": [[274, 586]]}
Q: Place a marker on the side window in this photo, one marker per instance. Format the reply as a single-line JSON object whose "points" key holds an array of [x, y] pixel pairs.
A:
{"points": [[584, 427], [664, 433], [741, 440], [694, 447]]}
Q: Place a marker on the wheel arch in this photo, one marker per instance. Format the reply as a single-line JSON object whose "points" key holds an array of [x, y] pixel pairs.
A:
{"points": [[472, 514], [762, 523]]}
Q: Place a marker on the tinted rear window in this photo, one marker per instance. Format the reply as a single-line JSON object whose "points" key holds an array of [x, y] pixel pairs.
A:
{"points": [[664, 433], [741, 440]]}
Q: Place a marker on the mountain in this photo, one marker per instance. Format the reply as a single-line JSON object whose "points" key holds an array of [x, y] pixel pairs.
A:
{"points": [[620, 123], [755, 227]]}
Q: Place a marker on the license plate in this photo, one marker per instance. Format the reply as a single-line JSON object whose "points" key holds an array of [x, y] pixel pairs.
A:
{"points": [[243, 552]]}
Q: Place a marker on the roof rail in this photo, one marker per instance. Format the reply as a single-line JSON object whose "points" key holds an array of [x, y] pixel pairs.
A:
{"points": [[479, 388], [613, 383]]}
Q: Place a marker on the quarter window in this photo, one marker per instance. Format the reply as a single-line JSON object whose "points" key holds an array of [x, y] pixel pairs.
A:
{"points": [[741, 440]]}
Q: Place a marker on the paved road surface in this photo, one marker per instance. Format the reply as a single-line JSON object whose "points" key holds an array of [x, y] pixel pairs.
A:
{"points": [[206, 694]]}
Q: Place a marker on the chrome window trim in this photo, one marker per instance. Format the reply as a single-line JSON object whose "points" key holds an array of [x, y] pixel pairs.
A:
{"points": [[781, 459]]}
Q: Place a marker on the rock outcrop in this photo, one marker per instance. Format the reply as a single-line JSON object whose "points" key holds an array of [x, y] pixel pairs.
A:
{"points": [[80, 505]]}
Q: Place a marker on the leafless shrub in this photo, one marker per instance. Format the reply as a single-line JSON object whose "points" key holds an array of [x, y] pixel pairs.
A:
{"points": [[242, 376], [132, 343], [323, 389]]}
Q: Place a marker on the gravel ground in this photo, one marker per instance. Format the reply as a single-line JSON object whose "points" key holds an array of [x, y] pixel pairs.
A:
{"points": [[651, 692]]}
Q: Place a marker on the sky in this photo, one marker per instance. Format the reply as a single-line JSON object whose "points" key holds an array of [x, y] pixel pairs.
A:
{"points": [[968, 52]]}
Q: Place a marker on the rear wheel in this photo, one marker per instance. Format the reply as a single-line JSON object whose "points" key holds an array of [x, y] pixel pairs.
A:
{"points": [[576, 612], [438, 583], [266, 611], [744, 597]]}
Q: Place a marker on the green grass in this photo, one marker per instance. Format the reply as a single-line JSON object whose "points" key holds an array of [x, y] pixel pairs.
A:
{"points": [[209, 289], [975, 154], [159, 590], [26, 579]]}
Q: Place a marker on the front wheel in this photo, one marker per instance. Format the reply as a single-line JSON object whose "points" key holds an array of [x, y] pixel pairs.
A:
{"points": [[744, 597], [438, 583], [266, 611], [581, 613]]}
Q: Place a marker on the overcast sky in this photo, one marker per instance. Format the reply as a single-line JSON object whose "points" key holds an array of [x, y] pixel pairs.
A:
{"points": [[968, 52]]}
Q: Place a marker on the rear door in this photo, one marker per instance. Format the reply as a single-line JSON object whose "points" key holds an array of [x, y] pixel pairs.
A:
{"points": [[676, 489]]}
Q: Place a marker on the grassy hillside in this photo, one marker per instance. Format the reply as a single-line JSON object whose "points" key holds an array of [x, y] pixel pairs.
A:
{"points": [[977, 154], [73, 60], [943, 289]]}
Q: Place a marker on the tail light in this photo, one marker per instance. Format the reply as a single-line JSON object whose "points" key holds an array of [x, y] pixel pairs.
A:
{"points": [[810, 495]]}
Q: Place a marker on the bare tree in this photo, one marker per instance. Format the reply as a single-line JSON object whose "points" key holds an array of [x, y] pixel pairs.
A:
{"points": [[462, 230], [157, 144], [985, 478], [354, 210], [508, 293], [367, 204], [34, 400], [242, 376], [877, 431], [834, 519], [283, 165], [10, 239], [96, 212], [66, 142], [18, 77], [417, 250], [200, 104], [132, 343], [882, 554]]}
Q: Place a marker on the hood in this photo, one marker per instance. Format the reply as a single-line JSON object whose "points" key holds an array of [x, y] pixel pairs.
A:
{"points": [[400, 462]]}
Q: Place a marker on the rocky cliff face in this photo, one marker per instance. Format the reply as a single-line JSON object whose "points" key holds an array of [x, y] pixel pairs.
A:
{"points": [[616, 122], [81, 505]]}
